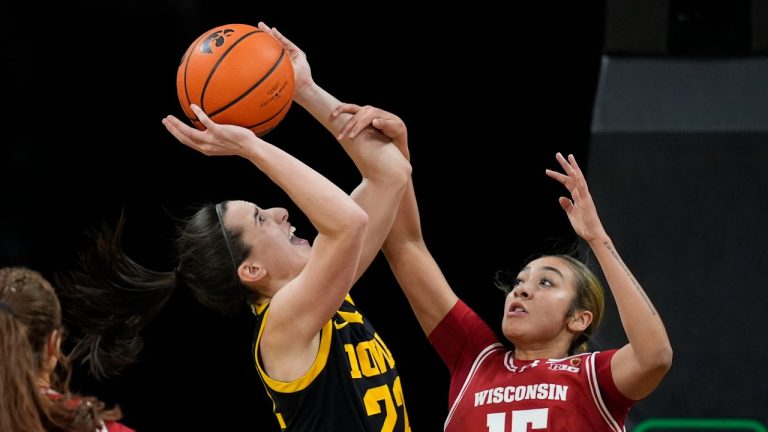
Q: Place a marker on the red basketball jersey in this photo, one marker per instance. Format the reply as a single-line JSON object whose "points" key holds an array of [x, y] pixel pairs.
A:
{"points": [[491, 391]]}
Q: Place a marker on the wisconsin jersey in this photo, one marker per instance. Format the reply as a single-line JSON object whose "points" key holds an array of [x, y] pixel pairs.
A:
{"points": [[353, 384], [491, 391]]}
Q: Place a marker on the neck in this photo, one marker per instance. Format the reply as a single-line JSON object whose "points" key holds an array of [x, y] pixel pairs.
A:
{"points": [[532, 354]]}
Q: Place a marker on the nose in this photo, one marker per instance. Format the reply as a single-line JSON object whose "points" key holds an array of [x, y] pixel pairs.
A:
{"points": [[279, 214], [522, 291]]}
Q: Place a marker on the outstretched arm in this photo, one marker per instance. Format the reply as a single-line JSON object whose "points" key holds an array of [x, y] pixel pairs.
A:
{"points": [[639, 366], [417, 272], [384, 169]]}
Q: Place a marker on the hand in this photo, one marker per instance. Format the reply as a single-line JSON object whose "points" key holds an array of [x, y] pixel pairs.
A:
{"points": [[301, 70], [580, 208], [389, 124], [215, 140]]}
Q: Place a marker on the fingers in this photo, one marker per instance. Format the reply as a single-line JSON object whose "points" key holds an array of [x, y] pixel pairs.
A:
{"points": [[361, 117], [563, 162], [186, 134], [277, 35], [178, 129], [565, 204], [391, 127], [570, 166], [572, 179], [386, 122], [575, 165], [346, 108], [202, 116], [562, 178]]}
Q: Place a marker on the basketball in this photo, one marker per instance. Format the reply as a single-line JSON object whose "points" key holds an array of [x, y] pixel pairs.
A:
{"points": [[237, 74]]}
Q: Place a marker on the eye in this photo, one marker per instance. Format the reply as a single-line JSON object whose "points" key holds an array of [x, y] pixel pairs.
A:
{"points": [[546, 282], [262, 219], [517, 282]]}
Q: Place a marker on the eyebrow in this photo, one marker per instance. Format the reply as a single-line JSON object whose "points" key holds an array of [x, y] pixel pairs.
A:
{"points": [[546, 268]]}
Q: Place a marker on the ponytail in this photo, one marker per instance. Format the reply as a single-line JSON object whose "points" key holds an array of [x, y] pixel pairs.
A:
{"points": [[109, 301]]}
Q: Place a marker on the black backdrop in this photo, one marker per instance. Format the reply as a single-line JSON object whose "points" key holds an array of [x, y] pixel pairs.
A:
{"points": [[489, 90]]}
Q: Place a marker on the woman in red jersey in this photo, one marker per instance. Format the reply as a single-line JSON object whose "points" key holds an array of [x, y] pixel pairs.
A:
{"points": [[34, 373], [548, 380]]}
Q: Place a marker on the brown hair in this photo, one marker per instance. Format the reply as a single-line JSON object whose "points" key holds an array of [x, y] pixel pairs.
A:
{"points": [[589, 296], [29, 313]]}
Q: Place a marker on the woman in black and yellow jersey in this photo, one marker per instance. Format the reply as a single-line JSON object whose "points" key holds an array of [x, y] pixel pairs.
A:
{"points": [[321, 361]]}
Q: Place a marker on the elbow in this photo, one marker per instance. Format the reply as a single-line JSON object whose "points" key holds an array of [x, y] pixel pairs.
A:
{"points": [[661, 359], [356, 222], [402, 173], [396, 172], [391, 167], [665, 357]]}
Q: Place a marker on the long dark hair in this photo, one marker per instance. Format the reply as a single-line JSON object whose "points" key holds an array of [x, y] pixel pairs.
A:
{"points": [[111, 297], [29, 314]]}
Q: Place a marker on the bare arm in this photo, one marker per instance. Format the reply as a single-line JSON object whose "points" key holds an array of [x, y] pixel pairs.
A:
{"points": [[301, 307], [417, 272], [639, 366], [383, 168]]}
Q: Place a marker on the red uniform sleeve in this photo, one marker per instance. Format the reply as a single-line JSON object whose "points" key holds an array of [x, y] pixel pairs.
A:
{"points": [[458, 339], [113, 426], [617, 403]]}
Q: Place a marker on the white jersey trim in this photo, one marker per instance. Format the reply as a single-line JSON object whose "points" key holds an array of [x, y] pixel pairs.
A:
{"points": [[597, 397], [478, 360]]}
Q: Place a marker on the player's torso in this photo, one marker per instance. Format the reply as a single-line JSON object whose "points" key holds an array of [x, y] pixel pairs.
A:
{"points": [[506, 395], [354, 387]]}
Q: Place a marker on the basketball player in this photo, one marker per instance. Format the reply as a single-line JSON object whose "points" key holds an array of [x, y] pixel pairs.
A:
{"points": [[548, 380], [34, 373], [320, 360]]}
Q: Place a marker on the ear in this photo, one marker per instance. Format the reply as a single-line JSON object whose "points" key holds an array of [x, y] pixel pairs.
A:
{"points": [[580, 321], [54, 343], [52, 351], [251, 271]]}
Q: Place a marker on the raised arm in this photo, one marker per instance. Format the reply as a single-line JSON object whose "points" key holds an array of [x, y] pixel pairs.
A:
{"points": [[384, 169], [301, 307], [418, 274], [639, 366]]}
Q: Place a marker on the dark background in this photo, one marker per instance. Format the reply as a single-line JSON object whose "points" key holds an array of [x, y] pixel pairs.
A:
{"points": [[489, 91]]}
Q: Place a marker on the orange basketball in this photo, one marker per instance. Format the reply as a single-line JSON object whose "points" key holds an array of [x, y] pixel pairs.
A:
{"points": [[237, 74]]}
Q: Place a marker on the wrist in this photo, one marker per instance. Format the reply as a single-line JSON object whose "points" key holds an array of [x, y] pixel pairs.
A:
{"points": [[599, 240], [305, 93]]}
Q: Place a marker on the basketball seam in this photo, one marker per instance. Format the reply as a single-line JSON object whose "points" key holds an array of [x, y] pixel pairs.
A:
{"points": [[237, 99], [279, 112], [187, 59], [216, 66]]}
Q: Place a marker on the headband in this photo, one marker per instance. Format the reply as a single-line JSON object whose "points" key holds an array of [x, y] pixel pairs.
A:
{"points": [[226, 237]]}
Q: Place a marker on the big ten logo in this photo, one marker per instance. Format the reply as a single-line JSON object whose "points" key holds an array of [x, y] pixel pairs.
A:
{"points": [[563, 367], [369, 358]]}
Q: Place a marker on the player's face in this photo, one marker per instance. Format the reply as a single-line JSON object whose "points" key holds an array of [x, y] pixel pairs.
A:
{"points": [[536, 310], [270, 236]]}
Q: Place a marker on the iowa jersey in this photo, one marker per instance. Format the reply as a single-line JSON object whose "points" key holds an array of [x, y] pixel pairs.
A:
{"points": [[353, 384]]}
